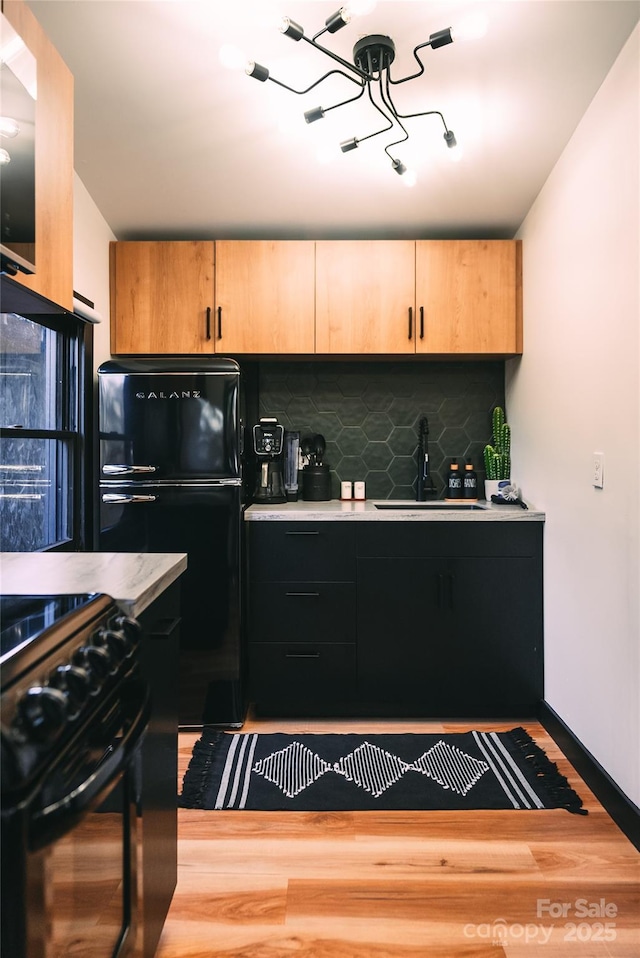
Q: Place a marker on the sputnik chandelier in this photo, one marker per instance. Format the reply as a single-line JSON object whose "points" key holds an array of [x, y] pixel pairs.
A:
{"points": [[370, 71]]}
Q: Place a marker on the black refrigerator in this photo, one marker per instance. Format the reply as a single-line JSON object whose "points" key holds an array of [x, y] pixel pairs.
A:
{"points": [[171, 480]]}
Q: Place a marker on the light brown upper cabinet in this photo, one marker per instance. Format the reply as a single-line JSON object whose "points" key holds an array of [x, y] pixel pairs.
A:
{"points": [[53, 161], [468, 297], [162, 297], [265, 296], [365, 296]]}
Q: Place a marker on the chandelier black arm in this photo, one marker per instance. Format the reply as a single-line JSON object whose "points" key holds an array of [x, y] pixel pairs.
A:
{"points": [[343, 102], [388, 102], [334, 56], [380, 110], [408, 116], [413, 76], [330, 73]]}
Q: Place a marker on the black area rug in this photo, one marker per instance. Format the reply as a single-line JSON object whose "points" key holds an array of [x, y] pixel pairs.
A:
{"points": [[474, 770]]}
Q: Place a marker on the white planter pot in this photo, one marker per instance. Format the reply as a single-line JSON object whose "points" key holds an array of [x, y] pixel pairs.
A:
{"points": [[495, 487]]}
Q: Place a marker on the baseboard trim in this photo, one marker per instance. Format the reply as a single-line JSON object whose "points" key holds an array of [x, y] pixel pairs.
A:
{"points": [[622, 810]]}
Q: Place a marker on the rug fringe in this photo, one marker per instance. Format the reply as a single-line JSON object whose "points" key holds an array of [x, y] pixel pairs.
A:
{"points": [[552, 782], [194, 783]]}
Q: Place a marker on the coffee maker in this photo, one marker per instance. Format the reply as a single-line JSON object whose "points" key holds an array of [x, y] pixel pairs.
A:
{"points": [[268, 446]]}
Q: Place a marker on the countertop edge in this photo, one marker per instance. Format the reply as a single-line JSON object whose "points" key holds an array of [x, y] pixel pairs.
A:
{"points": [[365, 511], [133, 579]]}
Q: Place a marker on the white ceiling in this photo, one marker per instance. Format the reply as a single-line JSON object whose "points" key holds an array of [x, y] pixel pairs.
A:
{"points": [[172, 145]]}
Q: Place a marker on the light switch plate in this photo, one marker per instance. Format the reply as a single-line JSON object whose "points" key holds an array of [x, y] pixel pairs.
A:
{"points": [[598, 470]]}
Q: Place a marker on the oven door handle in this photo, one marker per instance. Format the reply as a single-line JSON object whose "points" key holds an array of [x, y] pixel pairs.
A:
{"points": [[58, 819]]}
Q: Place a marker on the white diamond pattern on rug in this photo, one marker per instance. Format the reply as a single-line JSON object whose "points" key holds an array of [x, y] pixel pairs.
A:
{"points": [[372, 768], [450, 767], [292, 769]]}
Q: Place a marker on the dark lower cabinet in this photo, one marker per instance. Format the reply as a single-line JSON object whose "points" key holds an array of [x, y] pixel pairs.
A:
{"points": [[430, 619], [449, 637], [159, 766]]}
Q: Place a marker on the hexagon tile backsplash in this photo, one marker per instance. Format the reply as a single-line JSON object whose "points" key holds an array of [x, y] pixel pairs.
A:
{"points": [[369, 414]]}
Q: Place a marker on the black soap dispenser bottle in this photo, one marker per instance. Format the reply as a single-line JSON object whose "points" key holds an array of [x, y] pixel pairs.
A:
{"points": [[454, 481], [470, 483]]}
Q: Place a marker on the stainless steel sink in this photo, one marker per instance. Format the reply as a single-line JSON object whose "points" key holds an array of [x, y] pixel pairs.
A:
{"points": [[431, 506]]}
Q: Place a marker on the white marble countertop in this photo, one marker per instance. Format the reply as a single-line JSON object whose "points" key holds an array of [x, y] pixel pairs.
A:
{"points": [[133, 579], [365, 510]]}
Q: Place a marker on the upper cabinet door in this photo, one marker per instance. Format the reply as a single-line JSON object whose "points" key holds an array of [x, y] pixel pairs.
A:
{"points": [[265, 296], [162, 297], [468, 297], [365, 296], [53, 278]]}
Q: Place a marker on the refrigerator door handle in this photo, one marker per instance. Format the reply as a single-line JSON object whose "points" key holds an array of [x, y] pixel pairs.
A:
{"points": [[119, 497], [122, 469]]}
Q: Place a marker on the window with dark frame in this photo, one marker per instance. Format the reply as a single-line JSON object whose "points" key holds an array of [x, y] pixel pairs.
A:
{"points": [[44, 478]]}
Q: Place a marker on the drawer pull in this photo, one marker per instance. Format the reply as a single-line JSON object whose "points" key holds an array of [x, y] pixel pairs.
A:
{"points": [[313, 594], [302, 655], [302, 533]]}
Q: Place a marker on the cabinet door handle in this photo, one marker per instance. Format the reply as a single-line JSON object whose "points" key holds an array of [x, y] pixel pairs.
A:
{"points": [[302, 533], [302, 655], [163, 629], [208, 322], [410, 322], [445, 601], [312, 594], [439, 579], [422, 322], [219, 322]]}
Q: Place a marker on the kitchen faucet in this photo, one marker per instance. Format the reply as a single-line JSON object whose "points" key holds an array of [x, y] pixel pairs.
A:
{"points": [[424, 484]]}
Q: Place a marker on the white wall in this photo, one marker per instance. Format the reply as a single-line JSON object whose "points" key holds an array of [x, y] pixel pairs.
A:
{"points": [[574, 392], [91, 237]]}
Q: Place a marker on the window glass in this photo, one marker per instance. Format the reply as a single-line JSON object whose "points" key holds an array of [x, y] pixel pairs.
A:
{"points": [[39, 442], [30, 390], [35, 494]]}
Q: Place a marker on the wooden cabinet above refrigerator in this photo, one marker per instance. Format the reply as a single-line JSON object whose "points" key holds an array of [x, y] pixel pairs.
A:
{"points": [[328, 298]]}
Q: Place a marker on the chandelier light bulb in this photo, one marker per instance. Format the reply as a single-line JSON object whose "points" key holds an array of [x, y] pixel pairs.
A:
{"points": [[257, 71], [232, 57], [359, 8], [291, 29], [9, 127], [338, 20], [473, 27], [409, 178], [4, 157]]}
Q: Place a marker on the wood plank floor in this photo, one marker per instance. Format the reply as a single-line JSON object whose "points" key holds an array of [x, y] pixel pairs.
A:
{"points": [[539, 884]]}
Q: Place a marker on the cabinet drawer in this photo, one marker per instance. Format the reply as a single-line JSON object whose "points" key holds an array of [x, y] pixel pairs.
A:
{"points": [[303, 612], [449, 539], [286, 672], [299, 551]]}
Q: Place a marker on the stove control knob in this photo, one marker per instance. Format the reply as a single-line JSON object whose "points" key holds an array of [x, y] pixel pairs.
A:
{"points": [[116, 643], [73, 682], [43, 713], [96, 663], [131, 628]]}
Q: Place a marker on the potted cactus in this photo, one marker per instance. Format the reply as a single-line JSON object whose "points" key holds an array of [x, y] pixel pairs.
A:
{"points": [[497, 457]]}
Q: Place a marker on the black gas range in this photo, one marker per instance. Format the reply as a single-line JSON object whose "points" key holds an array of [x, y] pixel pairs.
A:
{"points": [[74, 710]]}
